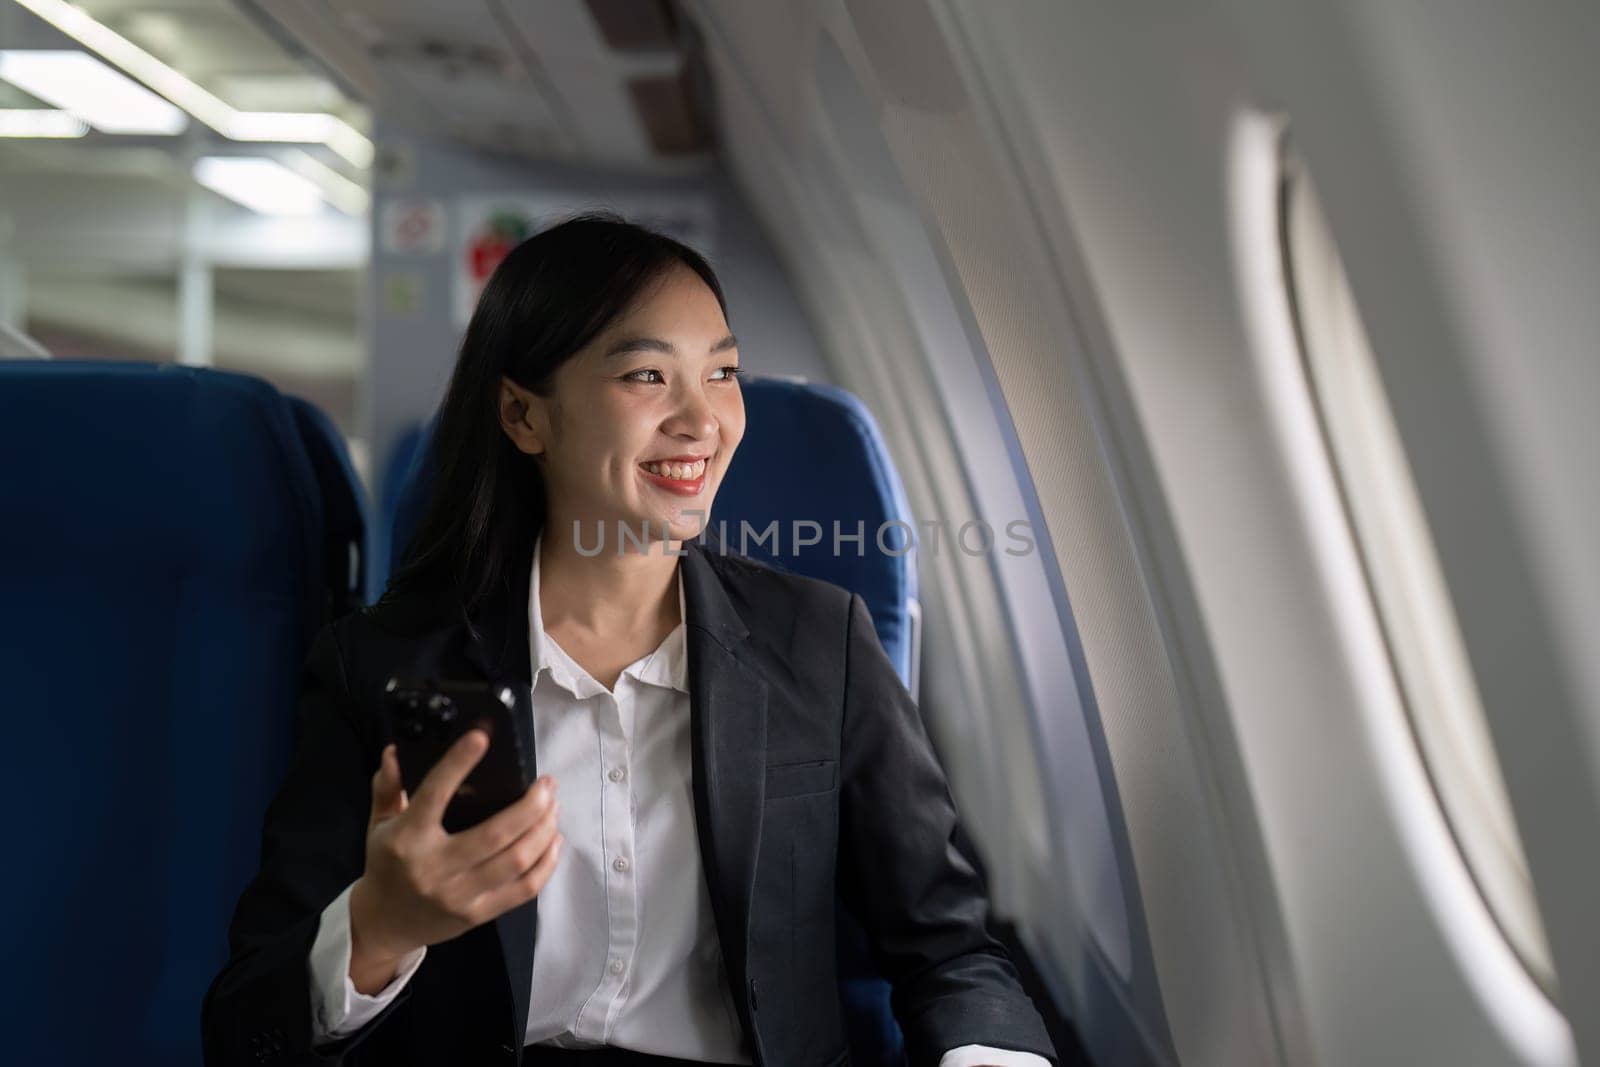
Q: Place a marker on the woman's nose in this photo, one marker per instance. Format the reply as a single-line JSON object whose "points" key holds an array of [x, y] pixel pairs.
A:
{"points": [[693, 417]]}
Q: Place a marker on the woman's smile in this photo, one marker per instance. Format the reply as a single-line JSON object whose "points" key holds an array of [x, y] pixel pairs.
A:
{"points": [[683, 475]]}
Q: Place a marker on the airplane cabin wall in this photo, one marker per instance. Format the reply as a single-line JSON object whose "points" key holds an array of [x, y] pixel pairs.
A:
{"points": [[1041, 240]]}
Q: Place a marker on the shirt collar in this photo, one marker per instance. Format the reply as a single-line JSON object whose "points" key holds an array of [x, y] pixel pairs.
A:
{"points": [[667, 666]]}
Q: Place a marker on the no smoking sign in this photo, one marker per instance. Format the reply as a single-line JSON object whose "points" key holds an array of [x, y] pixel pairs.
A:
{"points": [[412, 226]]}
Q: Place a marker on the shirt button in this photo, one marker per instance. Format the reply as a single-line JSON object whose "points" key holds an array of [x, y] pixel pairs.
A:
{"points": [[616, 966], [617, 774], [620, 863]]}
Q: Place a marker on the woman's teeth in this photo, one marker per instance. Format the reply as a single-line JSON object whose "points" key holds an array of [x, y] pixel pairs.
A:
{"points": [[684, 472]]}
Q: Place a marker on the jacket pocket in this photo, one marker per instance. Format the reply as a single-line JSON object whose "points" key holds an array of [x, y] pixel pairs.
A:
{"points": [[801, 779]]}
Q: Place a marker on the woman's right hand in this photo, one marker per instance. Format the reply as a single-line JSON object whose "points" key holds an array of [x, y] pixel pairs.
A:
{"points": [[423, 885]]}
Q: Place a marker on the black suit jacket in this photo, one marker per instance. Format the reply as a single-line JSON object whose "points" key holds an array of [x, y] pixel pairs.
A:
{"points": [[814, 782]]}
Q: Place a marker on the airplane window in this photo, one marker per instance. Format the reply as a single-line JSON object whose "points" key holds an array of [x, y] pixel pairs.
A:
{"points": [[1403, 574]]}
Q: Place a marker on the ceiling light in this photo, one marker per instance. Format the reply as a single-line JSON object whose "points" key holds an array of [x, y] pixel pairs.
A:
{"points": [[333, 131], [343, 193], [279, 126], [351, 144], [80, 84], [40, 122], [260, 184], [301, 128]]}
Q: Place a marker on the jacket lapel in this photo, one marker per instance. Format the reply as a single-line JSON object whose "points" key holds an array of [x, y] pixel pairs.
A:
{"points": [[728, 740]]}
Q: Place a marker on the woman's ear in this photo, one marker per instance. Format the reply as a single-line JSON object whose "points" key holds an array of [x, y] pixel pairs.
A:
{"points": [[522, 417]]}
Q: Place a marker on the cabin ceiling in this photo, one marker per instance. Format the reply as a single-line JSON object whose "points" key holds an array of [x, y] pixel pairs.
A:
{"points": [[605, 82], [94, 220]]}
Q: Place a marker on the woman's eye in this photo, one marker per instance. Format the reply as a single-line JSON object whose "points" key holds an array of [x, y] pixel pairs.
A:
{"points": [[639, 376], [727, 373]]}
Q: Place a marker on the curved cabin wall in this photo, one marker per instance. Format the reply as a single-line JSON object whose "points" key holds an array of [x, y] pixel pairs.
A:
{"points": [[1096, 198]]}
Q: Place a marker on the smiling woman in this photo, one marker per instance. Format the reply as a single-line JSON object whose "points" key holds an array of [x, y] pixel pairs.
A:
{"points": [[735, 752], [636, 429], [596, 348]]}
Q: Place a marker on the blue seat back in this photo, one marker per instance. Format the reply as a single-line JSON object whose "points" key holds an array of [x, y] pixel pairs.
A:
{"points": [[403, 500], [161, 575], [813, 454], [344, 509]]}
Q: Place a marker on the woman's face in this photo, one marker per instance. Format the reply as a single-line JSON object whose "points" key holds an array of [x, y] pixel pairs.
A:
{"points": [[641, 423]]}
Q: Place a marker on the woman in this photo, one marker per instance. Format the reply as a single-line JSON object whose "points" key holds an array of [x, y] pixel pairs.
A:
{"points": [[729, 744]]}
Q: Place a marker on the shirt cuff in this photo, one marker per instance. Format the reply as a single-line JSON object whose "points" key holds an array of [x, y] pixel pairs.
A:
{"points": [[337, 1008], [984, 1056]]}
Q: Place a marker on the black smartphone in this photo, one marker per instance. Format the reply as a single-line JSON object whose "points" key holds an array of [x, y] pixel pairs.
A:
{"points": [[427, 716]]}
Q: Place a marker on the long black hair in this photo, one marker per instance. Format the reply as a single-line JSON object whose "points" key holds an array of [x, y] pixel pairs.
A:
{"points": [[548, 299]]}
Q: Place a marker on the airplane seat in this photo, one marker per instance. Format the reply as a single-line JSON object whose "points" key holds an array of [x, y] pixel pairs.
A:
{"points": [[836, 472], [835, 467], [344, 508], [402, 510], [162, 566]]}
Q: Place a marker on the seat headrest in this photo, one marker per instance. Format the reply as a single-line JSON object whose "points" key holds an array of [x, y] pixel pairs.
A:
{"points": [[117, 464], [813, 453]]}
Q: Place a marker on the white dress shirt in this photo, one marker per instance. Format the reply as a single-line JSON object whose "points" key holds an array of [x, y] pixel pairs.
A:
{"points": [[613, 964]]}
